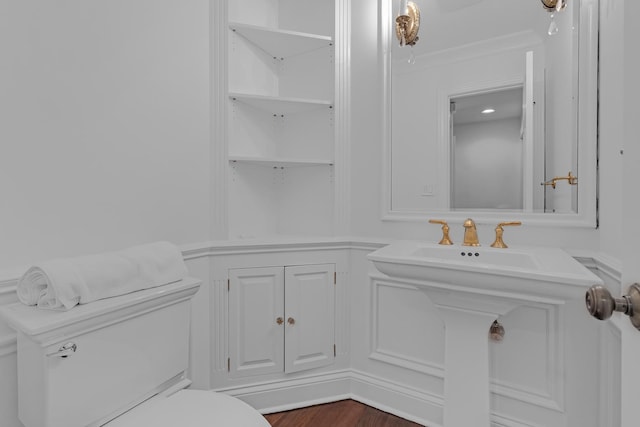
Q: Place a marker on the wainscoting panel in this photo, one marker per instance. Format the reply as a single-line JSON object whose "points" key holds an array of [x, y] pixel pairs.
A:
{"points": [[8, 362], [406, 332], [528, 363]]}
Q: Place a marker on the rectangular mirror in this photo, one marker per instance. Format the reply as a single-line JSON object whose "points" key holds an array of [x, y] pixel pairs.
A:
{"points": [[474, 52]]}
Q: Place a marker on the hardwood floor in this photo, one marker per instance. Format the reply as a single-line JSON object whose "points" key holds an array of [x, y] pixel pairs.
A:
{"points": [[345, 413]]}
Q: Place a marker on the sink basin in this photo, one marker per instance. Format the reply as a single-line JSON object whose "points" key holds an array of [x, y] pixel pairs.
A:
{"points": [[477, 256], [527, 272]]}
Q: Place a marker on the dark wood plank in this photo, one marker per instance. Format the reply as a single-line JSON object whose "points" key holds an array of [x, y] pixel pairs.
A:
{"points": [[345, 413]]}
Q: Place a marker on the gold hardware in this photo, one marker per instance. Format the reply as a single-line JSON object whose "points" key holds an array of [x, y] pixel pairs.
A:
{"points": [[408, 24], [601, 304], [496, 331], [499, 243], [228, 364], [446, 240], [571, 179], [334, 350], [291, 321], [335, 278], [279, 320], [470, 233], [554, 5]]}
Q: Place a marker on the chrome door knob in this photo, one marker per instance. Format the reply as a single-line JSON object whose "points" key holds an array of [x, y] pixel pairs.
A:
{"points": [[601, 304]]}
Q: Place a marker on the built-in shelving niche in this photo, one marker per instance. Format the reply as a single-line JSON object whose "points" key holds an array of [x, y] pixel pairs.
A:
{"points": [[281, 133]]}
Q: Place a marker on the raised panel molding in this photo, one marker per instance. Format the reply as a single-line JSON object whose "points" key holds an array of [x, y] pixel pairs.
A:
{"points": [[219, 314], [549, 397], [552, 395], [342, 313], [378, 338]]}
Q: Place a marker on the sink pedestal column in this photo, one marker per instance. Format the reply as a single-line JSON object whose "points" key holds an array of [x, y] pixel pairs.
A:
{"points": [[467, 319], [466, 380]]}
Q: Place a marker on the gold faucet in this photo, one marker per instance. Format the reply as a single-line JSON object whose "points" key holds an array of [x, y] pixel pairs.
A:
{"points": [[470, 233], [446, 240], [499, 243]]}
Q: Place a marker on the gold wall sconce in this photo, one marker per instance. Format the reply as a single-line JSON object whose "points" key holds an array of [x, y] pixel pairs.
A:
{"points": [[554, 5], [408, 23]]}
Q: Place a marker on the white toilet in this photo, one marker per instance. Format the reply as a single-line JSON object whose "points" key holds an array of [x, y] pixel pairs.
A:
{"points": [[118, 362]]}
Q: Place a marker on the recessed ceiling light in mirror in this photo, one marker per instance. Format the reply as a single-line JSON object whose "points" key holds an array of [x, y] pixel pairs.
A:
{"points": [[488, 111]]}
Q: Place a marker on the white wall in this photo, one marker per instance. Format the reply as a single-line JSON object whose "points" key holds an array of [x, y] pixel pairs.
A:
{"points": [[104, 126], [493, 146], [104, 140]]}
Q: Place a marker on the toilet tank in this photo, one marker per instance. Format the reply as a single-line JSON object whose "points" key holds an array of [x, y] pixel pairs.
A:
{"points": [[87, 365]]}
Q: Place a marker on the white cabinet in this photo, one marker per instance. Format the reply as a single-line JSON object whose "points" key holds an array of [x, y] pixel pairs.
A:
{"points": [[281, 74], [281, 319]]}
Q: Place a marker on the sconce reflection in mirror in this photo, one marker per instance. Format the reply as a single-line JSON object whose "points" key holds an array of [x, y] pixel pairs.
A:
{"points": [[571, 179], [553, 6], [408, 23]]}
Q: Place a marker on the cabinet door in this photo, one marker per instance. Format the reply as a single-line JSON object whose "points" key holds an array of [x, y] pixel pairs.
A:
{"points": [[256, 306], [309, 327]]}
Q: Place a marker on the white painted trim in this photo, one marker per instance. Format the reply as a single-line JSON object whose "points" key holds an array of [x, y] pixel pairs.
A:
{"points": [[8, 287], [499, 420], [342, 104], [8, 345], [379, 393], [293, 393], [494, 46], [219, 175], [595, 260]]}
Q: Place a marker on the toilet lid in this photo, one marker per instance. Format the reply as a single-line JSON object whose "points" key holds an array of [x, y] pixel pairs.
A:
{"points": [[192, 408]]}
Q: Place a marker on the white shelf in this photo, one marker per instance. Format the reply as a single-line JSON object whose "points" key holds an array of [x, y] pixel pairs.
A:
{"points": [[280, 105], [281, 43], [278, 162]]}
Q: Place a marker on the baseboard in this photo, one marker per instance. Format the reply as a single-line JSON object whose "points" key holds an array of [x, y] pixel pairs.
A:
{"points": [[284, 395], [386, 395], [397, 399]]}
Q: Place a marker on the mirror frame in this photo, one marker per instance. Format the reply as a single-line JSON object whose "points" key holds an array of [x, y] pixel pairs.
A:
{"points": [[586, 129]]}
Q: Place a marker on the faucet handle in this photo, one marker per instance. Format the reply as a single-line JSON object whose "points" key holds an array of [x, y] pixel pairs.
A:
{"points": [[499, 243], [446, 240]]}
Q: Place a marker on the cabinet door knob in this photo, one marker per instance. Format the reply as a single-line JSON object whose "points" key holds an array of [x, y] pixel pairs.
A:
{"points": [[279, 320], [291, 321]]}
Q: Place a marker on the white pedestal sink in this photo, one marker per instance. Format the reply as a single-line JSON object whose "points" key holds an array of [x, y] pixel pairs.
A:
{"points": [[472, 287]]}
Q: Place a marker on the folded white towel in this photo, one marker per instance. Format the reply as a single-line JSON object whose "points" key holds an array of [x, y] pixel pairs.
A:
{"points": [[63, 283]]}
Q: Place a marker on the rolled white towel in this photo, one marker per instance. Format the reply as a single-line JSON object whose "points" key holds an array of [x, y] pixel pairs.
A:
{"points": [[63, 283]]}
